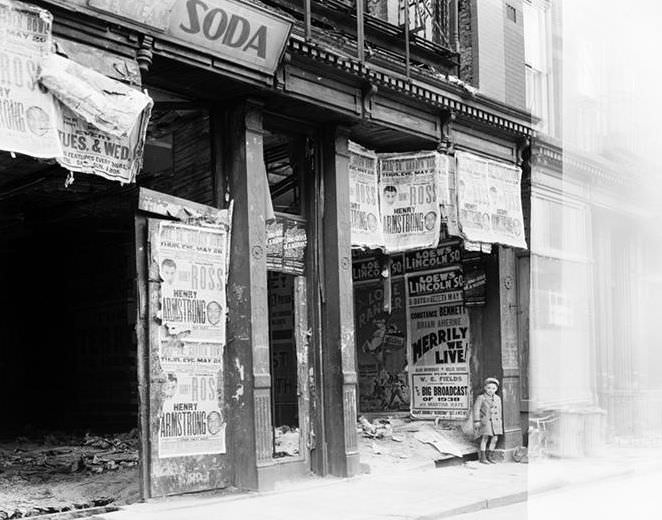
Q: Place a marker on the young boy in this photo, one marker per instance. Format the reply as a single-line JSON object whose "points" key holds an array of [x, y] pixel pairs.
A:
{"points": [[487, 419]]}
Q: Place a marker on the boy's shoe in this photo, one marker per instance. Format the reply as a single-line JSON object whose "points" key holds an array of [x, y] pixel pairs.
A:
{"points": [[482, 458], [490, 457]]}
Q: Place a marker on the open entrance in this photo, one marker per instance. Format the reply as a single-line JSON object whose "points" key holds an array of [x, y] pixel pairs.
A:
{"points": [[286, 166], [68, 355], [68, 438], [283, 354]]}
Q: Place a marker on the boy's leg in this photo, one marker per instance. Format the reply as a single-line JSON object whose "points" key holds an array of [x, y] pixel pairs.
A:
{"points": [[490, 452], [483, 444]]}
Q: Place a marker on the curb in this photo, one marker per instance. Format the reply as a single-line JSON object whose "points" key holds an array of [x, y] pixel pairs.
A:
{"points": [[523, 496], [471, 507]]}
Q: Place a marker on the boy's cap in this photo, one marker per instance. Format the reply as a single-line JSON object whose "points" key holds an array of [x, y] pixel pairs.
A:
{"points": [[491, 380]]}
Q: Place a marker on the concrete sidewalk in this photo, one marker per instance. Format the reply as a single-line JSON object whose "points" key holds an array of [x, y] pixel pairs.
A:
{"points": [[424, 494]]}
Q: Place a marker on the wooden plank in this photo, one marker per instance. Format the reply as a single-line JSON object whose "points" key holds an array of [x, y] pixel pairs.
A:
{"points": [[403, 117], [322, 90], [301, 334], [509, 346], [169, 206], [216, 124], [313, 209], [142, 352]]}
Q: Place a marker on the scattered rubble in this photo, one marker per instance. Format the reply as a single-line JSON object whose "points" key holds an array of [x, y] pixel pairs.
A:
{"points": [[387, 443], [287, 441], [62, 472]]}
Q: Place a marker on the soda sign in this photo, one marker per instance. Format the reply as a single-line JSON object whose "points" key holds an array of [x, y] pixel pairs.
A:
{"points": [[238, 32]]}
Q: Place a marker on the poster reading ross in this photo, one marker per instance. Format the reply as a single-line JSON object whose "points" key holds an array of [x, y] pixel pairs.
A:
{"points": [[192, 265], [27, 113], [438, 344], [191, 421], [410, 200], [364, 198], [489, 201]]}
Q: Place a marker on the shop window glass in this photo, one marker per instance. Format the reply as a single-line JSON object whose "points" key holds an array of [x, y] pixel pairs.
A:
{"points": [[284, 157]]}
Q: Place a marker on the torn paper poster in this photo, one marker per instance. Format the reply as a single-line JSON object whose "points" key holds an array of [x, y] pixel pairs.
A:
{"points": [[489, 201], [410, 200], [109, 105], [192, 262], [86, 149], [364, 198], [27, 114], [449, 207]]}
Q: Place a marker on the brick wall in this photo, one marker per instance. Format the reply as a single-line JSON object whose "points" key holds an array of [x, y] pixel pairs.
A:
{"points": [[466, 23], [491, 60], [513, 42]]}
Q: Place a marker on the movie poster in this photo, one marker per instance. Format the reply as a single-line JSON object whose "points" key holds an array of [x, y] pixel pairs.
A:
{"points": [[410, 200], [28, 123], [364, 198], [489, 201], [438, 344], [192, 266], [380, 345]]}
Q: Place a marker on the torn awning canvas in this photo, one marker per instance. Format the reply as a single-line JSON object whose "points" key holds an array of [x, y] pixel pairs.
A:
{"points": [[108, 104], [101, 122]]}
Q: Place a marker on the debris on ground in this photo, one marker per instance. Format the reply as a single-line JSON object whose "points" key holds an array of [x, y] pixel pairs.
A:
{"points": [[387, 443], [287, 441], [63, 472]]}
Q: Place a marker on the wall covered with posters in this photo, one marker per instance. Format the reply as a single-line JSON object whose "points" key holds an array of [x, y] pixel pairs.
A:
{"points": [[412, 332]]}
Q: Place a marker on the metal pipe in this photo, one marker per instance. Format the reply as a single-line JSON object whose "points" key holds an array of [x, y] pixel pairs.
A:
{"points": [[407, 55], [306, 20], [360, 36], [454, 26]]}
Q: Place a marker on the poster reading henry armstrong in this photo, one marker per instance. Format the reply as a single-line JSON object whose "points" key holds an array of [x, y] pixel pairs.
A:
{"points": [[438, 341], [364, 198], [192, 267], [410, 201], [27, 114], [489, 201]]}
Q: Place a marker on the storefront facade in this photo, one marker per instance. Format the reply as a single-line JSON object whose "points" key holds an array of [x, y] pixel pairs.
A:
{"points": [[254, 111]]}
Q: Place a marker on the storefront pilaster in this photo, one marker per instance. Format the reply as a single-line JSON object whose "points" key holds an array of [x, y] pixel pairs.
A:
{"points": [[510, 385], [247, 358], [339, 370]]}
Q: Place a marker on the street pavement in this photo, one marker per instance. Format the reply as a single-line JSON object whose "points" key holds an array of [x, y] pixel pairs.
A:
{"points": [[627, 496], [423, 494]]}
